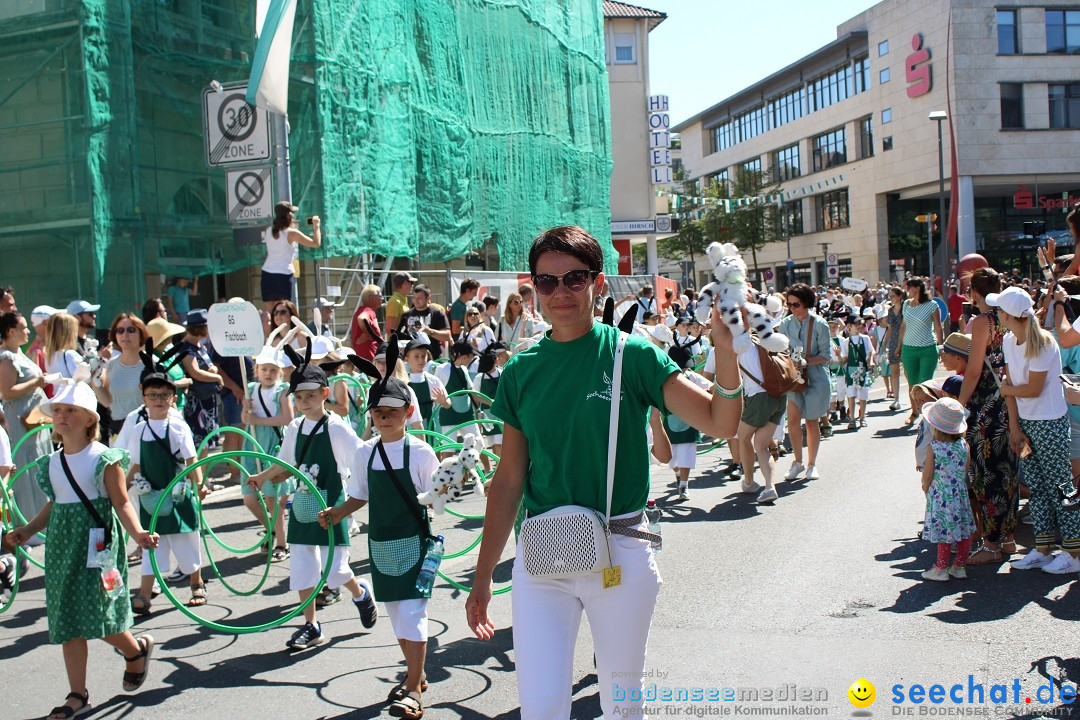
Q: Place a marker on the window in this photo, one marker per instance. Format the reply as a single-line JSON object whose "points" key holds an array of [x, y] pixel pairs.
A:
{"points": [[886, 143], [787, 108], [1012, 105], [750, 124], [785, 164], [862, 75], [723, 137], [886, 116], [866, 137], [831, 88], [624, 49], [751, 170], [883, 76], [1064, 106], [1008, 39], [1063, 31], [832, 210], [830, 149], [719, 178], [883, 48], [791, 218]]}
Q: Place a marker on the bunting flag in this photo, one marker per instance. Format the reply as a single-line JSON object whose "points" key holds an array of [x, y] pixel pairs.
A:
{"points": [[679, 201], [268, 86]]}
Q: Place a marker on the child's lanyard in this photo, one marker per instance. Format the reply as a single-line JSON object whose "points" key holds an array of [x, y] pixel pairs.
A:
{"points": [[307, 441], [94, 514], [262, 401]]}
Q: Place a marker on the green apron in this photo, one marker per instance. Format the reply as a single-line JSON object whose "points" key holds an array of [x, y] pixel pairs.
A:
{"points": [[856, 359], [395, 543], [489, 385], [459, 380], [316, 450], [423, 398], [159, 466], [679, 432]]}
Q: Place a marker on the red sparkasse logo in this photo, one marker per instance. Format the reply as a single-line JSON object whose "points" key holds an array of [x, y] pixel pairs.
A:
{"points": [[919, 78], [1024, 199]]}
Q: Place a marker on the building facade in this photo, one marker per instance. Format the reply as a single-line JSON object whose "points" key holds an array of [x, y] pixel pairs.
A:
{"points": [[846, 135]]}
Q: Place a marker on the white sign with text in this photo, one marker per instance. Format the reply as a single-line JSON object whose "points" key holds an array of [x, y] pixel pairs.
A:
{"points": [[236, 330]]}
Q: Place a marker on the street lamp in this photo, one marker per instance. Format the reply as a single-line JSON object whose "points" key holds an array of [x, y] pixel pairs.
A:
{"points": [[938, 116]]}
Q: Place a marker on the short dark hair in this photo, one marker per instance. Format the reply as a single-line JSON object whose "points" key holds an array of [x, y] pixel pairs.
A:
{"points": [[569, 240], [422, 288], [150, 309], [803, 293], [469, 284], [1073, 219], [8, 322], [491, 301], [7, 290]]}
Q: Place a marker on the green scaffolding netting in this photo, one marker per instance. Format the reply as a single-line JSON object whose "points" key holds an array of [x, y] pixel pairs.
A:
{"points": [[418, 128]]}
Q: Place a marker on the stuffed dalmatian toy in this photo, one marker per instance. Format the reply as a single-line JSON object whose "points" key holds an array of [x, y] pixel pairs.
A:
{"points": [[449, 479], [729, 295], [139, 486]]}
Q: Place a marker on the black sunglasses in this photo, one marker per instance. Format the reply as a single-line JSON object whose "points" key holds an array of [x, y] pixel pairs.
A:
{"points": [[130, 330], [575, 281]]}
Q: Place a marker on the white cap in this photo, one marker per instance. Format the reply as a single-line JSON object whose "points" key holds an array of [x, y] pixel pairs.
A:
{"points": [[78, 394], [324, 303], [1015, 301], [270, 356], [76, 307], [321, 346], [662, 333], [41, 314]]}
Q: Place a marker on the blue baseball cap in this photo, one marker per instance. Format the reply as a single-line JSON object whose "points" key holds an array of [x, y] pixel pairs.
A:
{"points": [[952, 385]]}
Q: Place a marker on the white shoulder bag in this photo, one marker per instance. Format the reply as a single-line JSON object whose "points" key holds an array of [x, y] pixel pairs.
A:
{"points": [[572, 540]]}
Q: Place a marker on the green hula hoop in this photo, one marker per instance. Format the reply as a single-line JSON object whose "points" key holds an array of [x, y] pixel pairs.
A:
{"points": [[207, 530], [15, 583], [457, 446], [16, 512], [236, 629], [222, 430], [28, 434], [362, 387], [457, 393], [707, 448]]}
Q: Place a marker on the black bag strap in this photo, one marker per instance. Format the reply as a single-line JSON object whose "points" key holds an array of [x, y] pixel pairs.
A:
{"points": [[410, 502], [163, 441], [258, 393], [86, 501], [307, 441]]}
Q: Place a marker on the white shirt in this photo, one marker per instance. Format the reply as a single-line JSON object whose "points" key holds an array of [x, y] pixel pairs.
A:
{"points": [[82, 466], [5, 450], [481, 336], [749, 362], [442, 373], [123, 438], [1050, 404], [422, 465], [181, 444], [64, 362], [433, 381], [269, 396], [864, 340], [710, 363], [343, 440], [280, 253]]}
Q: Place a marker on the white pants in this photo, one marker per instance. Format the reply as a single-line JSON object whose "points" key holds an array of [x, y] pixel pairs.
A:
{"points": [[186, 548], [306, 563], [547, 615], [858, 392], [683, 455], [409, 619], [841, 388]]}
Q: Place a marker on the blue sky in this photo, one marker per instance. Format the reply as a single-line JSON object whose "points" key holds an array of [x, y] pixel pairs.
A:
{"points": [[707, 50]]}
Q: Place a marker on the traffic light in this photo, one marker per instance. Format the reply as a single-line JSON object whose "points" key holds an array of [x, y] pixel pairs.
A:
{"points": [[926, 218]]}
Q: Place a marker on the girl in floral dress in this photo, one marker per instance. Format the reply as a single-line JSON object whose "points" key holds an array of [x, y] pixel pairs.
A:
{"points": [[948, 512], [77, 603]]}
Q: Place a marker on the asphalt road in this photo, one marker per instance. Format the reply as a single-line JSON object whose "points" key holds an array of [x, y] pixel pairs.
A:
{"points": [[817, 591]]}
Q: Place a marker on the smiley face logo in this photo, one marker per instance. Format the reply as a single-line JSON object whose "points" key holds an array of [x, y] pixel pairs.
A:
{"points": [[862, 693]]}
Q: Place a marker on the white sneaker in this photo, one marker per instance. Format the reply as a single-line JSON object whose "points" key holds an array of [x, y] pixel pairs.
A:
{"points": [[936, 574], [683, 494], [812, 473], [1062, 564], [750, 488], [958, 572], [1033, 559], [767, 495], [795, 471]]}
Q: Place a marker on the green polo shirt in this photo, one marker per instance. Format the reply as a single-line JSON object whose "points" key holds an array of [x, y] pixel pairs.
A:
{"points": [[558, 395]]}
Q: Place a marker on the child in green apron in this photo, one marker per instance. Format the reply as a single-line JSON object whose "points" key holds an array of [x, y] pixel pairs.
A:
{"points": [[321, 445], [398, 528], [428, 388], [487, 382], [160, 447], [836, 380], [84, 482], [682, 436], [267, 410], [857, 354], [455, 377]]}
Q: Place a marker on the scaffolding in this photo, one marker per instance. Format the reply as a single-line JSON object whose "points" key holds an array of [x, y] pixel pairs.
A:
{"points": [[419, 128]]}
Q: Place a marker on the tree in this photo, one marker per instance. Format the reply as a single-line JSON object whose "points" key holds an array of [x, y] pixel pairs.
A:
{"points": [[752, 224]]}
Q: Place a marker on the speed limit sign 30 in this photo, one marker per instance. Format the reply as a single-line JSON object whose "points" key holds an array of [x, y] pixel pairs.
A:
{"points": [[236, 133]]}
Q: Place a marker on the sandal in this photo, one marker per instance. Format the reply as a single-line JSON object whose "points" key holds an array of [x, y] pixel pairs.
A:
{"points": [[408, 707], [198, 596], [140, 605], [132, 680], [399, 690], [66, 711], [986, 556], [280, 553], [1009, 548]]}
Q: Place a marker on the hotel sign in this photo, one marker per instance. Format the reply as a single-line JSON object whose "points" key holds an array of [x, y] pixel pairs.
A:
{"points": [[659, 139], [630, 227]]}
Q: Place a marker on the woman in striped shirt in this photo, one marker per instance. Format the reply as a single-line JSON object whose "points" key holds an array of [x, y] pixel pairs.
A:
{"points": [[920, 334]]}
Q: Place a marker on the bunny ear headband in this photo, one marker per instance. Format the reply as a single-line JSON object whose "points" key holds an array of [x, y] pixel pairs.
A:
{"points": [[626, 322], [388, 391], [487, 358], [156, 370]]}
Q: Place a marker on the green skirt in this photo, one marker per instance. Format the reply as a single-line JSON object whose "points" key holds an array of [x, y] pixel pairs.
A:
{"points": [[76, 604]]}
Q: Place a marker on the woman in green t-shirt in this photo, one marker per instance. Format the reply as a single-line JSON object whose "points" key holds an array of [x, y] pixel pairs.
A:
{"points": [[555, 400]]}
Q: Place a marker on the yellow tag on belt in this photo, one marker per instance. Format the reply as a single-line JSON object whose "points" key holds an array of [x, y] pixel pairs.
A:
{"points": [[612, 576]]}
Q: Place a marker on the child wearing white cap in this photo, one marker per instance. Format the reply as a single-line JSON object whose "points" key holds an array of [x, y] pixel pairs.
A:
{"points": [[267, 411], [85, 485], [1038, 430], [948, 512]]}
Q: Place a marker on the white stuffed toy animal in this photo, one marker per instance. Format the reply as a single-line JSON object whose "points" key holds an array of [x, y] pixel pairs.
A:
{"points": [[762, 323], [729, 294], [448, 482], [139, 486]]}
